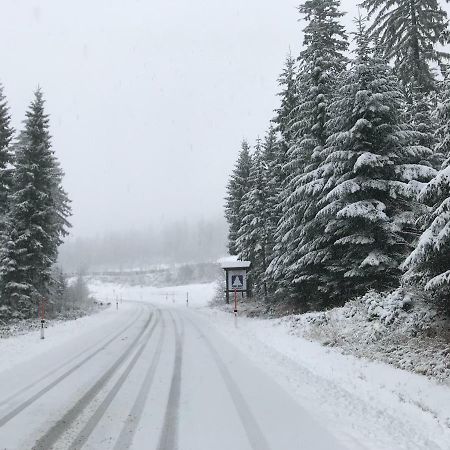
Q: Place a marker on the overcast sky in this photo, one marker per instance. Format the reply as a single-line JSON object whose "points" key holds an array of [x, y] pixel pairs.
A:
{"points": [[149, 99]]}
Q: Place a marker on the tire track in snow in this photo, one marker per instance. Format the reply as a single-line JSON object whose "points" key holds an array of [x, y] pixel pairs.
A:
{"points": [[18, 409], [47, 441], [169, 434], [129, 428], [89, 427], [254, 433]]}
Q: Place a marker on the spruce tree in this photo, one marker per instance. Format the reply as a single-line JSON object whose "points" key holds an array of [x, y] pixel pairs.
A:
{"points": [[281, 171], [6, 135], [441, 117], [255, 234], [369, 181], [429, 265], [247, 239], [38, 214], [409, 32], [237, 187], [320, 65], [288, 99]]}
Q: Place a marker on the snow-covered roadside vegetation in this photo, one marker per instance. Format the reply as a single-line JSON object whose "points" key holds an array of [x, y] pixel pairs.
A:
{"points": [[398, 328], [69, 299]]}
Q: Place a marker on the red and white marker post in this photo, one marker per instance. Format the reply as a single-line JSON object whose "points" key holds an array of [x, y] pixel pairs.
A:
{"points": [[42, 315]]}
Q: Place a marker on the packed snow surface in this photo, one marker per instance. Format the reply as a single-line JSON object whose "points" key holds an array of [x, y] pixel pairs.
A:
{"points": [[208, 380]]}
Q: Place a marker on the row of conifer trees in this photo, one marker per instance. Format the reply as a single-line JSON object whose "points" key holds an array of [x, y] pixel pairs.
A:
{"points": [[34, 211], [349, 189]]}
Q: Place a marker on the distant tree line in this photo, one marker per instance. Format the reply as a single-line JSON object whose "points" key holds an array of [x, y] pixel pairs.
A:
{"points": [[34, 211], [349, 189], [173, 242]]}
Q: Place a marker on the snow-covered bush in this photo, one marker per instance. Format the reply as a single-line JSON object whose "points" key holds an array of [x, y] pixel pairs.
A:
{"points": [[387, 308], [399, 327]]}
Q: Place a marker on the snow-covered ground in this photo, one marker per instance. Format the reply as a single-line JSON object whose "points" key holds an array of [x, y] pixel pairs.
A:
{"points": [[197, 294], [363, 404], [14, 350], [361, 400], [370, 405]]}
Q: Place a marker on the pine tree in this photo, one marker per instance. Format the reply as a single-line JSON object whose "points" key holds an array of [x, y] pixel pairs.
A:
{"points": [[419, 114], [254, 236], [441, 117], [237, 187], [368, 179], [6, 135], [38, 214], [321, 63], [429, 265], [409, 31], [287, 83], [280, 173]]}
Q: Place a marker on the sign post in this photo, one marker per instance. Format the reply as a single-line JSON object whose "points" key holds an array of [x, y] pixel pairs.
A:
{"points": [[236, 279]]}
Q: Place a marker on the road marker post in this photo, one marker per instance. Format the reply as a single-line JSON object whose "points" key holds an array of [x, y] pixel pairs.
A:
{"points": [[42, 315], [187, 299], [235, 303]]}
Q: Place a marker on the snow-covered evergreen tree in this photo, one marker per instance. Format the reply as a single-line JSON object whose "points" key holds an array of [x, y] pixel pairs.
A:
{"points": [[261, 212], [409, 31], [369, 179], [320, 65], [288, 100], [281, 173], [253, 233], [272, 154], [6, 135], [237, 187], [442, 119], [429, 263], [38, 214]]}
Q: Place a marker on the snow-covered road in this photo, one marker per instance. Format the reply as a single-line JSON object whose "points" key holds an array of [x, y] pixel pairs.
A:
{"points": [[147, 377]]}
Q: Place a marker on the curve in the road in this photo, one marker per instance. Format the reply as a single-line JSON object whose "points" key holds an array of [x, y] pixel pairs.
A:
{"points": [[253, 431], [169, 434], [53, 434], [19, 408], [89, 427], [129, 428]]}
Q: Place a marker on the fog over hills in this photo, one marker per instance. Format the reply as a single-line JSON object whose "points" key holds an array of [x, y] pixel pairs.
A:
{"points": [[176, 242]]}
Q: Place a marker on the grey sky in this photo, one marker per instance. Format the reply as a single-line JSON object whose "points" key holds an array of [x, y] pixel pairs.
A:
{"points": [[150, 99]]}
